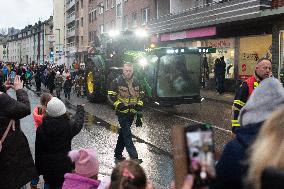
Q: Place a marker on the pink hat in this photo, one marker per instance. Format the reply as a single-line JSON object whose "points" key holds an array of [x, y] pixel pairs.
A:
{"points": [[86, 162]]}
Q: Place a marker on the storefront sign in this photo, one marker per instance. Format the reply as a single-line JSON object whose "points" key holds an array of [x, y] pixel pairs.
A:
{"points": [[221, 43], [202, 32], [251, 50]]}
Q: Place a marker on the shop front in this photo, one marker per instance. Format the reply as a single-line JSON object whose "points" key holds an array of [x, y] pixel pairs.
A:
{"points": [[251, 50]]}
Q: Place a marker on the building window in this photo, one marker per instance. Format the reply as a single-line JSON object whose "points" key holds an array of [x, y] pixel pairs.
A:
{"points": [[145, 15], [125, 22], [82, 4], [90, 36], [118, 10], [90, 17], [101, 7], [82, 22], [77, 6], [134, 19], [102, 28], [82, 38], [77, 23], [108, 4], [94, 15]]}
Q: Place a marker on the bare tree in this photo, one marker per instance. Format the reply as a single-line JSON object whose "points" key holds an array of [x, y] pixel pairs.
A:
{"points": [[3, 31]]}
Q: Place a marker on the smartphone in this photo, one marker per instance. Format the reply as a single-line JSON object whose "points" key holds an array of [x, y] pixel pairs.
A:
{"points": [[200, 153], [193, 153]]}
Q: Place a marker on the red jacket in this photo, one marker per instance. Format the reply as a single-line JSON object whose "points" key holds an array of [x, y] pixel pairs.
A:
{"points": [[37, 117]]}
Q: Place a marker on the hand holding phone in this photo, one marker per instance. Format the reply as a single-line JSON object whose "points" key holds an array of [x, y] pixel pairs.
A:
{"points": [[193, 153]]}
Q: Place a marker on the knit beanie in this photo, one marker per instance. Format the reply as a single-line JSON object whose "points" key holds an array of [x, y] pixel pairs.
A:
{"points": [[266, 98], [55, 107], [86, 162]]}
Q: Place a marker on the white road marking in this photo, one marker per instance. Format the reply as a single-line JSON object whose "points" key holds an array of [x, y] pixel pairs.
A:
{"points": [[188, 119]]}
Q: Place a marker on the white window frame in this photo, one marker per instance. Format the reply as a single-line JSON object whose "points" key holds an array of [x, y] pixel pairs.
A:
{"points": [[119, 7], [147, 13], [101, 9], [113, 3]]}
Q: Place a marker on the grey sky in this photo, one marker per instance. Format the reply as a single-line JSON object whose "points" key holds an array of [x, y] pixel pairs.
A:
{"points": [[20, 13]]}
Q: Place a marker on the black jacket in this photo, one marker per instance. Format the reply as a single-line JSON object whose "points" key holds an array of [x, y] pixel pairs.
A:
{"points": [[16, 163], [53, 142], [231, 168]]}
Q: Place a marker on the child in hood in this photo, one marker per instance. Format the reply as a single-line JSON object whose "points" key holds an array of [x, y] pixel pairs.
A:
{"points": [[39, 110], [85, 175]]}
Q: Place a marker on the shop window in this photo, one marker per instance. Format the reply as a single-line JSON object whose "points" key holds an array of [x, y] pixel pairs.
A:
{"points": [[224, 48], [251, 50]]}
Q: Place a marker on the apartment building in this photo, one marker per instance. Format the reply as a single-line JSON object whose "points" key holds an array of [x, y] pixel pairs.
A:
{"points": [[107, 15], [2, 52], [70, 27], [58, 33], [81, 31], [31, 44]]}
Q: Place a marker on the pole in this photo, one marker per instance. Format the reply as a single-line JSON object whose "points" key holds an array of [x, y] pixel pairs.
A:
{"points": [[59, 49], [122, 16], [59, 61]]}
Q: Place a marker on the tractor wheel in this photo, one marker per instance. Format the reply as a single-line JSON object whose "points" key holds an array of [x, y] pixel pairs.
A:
{"points": [[95, 92]]}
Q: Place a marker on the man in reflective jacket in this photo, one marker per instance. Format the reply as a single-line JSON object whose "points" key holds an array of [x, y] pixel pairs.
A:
{"points": [[262, 71], [124, 94]]}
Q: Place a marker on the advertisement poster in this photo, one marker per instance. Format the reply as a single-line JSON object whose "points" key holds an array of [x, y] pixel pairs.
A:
{"points": [[251, 50]]}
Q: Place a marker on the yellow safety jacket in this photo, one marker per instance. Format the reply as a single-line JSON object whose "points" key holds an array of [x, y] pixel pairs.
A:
{"points": [[126, 92], [241, 98]]}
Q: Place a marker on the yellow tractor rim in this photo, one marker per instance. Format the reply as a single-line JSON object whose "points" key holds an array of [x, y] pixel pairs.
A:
{"points": [[90, 82]]}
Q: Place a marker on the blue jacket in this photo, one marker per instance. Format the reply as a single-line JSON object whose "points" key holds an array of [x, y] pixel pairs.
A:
{"points": [[231, 168]]}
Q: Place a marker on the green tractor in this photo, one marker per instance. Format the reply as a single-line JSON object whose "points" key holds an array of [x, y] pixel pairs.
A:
{"points": [[168, 76]]}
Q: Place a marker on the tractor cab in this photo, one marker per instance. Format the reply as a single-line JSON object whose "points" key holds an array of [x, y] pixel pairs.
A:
{"points": [[170, 76]]}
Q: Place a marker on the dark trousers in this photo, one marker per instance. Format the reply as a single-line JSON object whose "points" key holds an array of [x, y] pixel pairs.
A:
{"points": [[220, 83], [67, 95], [38, 85], [125, 137]]}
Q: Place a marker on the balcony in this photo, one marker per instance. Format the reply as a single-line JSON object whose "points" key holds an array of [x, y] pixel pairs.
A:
{"points": [[70, 4], [70, 32], [208, 15], [70, 18], [71, 47]]}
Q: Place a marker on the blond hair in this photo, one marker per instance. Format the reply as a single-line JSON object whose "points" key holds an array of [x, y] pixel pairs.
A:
{"points": [[268, 148]]}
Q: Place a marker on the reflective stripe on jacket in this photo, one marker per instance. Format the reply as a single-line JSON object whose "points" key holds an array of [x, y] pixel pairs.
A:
{"points": [[126, 92]]}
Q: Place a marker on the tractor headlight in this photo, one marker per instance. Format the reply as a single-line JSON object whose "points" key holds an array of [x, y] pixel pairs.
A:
{"points": [[143, 62]]}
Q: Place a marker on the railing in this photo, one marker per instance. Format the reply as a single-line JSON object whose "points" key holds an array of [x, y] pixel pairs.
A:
{"points": [[70, 4], [208, 15], [70, 18], [70, 32]]}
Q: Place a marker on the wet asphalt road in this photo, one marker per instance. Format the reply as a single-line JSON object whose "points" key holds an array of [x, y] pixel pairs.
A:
{"points": [[153, 140]]}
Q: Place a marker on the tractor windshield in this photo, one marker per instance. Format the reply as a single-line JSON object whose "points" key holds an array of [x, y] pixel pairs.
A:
{"points": [[179, 75]]}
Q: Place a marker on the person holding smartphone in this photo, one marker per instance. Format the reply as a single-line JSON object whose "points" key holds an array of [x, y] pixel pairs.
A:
{"points": [[16, 163], [230, 169]]}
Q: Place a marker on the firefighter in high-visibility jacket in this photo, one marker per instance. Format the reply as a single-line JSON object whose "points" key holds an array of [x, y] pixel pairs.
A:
{"points": [[124, 94], [262, 71]]}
